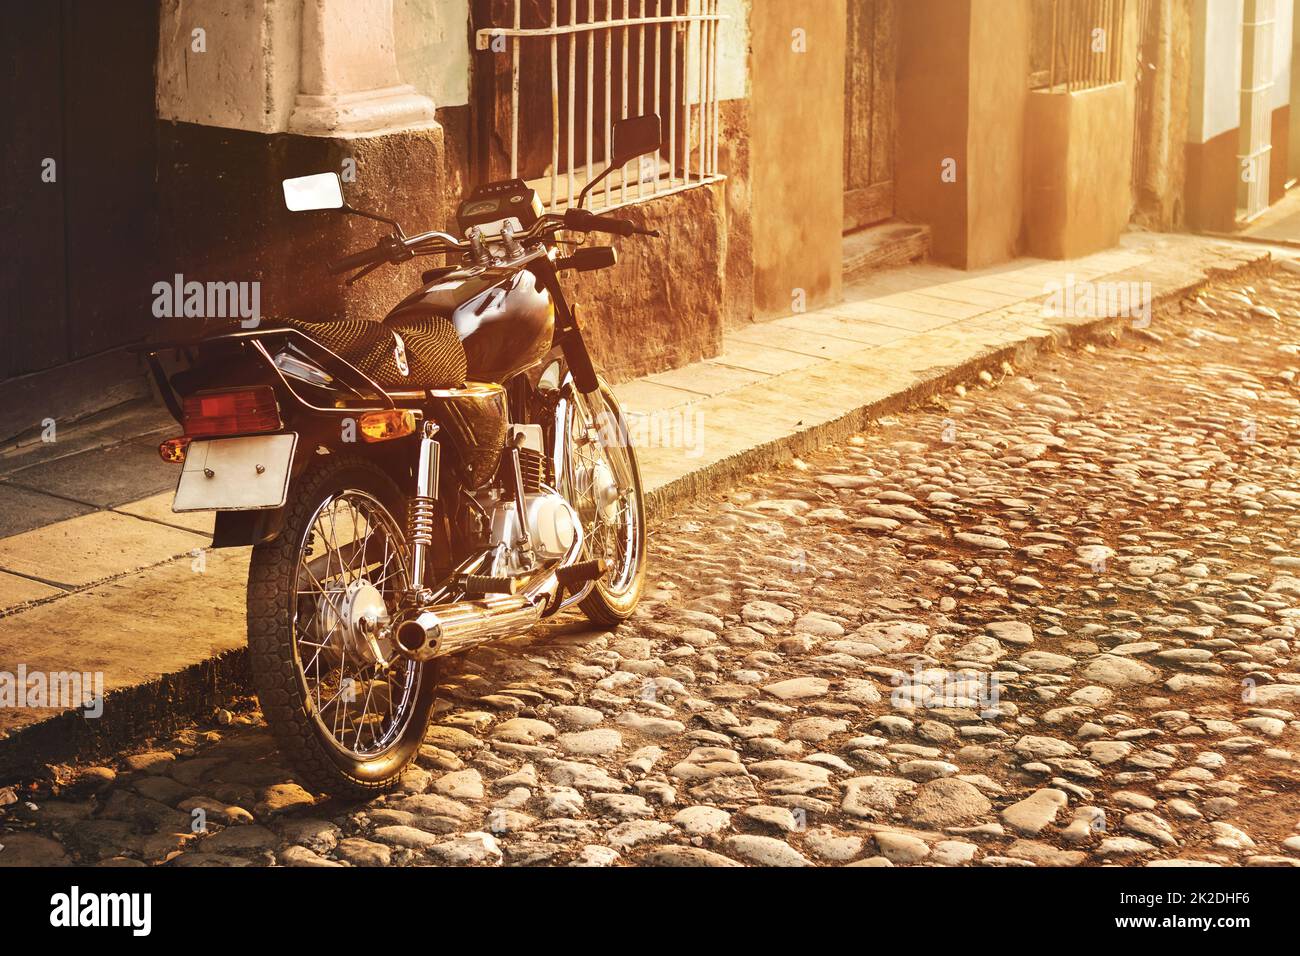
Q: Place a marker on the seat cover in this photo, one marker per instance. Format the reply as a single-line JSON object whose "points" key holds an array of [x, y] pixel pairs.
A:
{"points": [[420, 352]]}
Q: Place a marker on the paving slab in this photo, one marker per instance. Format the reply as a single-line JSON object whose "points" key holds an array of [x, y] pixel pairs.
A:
{"points": [[93, 547], [103, 429], [812, 344], [16, 590], [159, 508], [862, 331], [762, 358], [132, 630], [22, 509], [103, 477], [706, 378]]}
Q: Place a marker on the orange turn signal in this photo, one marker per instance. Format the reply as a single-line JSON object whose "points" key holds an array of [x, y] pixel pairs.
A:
{"points": [[173, 450], [387, 424]]}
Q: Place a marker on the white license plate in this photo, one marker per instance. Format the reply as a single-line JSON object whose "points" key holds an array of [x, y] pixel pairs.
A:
{"points": [[235, 474]]}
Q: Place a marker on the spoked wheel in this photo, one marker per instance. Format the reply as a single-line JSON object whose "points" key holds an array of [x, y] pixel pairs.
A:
{"points": [[603, 482], [346, 708]]}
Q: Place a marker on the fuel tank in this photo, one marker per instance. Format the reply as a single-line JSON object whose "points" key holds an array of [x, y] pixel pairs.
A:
{"points": [[504, 318]]}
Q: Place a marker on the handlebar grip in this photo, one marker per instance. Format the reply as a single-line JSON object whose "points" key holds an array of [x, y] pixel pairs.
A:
{"points": [[584, 221], [354, 261]]}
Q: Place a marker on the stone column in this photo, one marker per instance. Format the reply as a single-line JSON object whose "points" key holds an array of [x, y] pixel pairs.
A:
{"points": [[349, 79], [962, 91], [285, 88]]}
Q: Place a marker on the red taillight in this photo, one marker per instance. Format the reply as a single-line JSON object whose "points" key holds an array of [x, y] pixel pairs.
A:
{"points": [[232, 413]]}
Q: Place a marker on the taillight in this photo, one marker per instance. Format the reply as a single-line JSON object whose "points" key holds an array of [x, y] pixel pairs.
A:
{"points": [[232, 413]]}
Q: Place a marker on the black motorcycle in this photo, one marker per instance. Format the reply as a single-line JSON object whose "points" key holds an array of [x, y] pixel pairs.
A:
{"points": [[417, 486]]}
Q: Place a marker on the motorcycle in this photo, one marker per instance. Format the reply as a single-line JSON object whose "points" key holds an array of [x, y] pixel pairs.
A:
{"points": [[415, 487]]}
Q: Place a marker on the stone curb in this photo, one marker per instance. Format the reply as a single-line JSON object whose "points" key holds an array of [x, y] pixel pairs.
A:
{"points": [[938, 379]]}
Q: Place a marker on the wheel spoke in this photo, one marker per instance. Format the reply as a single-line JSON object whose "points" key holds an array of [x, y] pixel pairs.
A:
{"points": [[360, 703]]}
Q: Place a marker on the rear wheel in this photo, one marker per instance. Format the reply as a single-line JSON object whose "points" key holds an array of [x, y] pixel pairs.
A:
{"points": [[346, 709], [603, 482]]}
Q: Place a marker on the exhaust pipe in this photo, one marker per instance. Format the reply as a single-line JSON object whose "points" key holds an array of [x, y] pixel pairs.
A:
{"points": [[449, 628], [457, 626]]}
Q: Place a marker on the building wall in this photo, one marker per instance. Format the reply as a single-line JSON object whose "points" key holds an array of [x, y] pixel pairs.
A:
{"points": [[228, 137], [932, 93], [963, 69], [247, 75], [1160, 183], [797, 145], [999, 91], [433, 47], [1214, 114], [1280, 163]]}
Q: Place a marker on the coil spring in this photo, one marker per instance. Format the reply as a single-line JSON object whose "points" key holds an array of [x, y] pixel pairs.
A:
{"points": [[420, 517]]}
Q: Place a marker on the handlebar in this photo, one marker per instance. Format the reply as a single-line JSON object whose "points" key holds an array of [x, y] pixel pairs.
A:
{"points": [[400, 248], [355, 261], [583, 221]]}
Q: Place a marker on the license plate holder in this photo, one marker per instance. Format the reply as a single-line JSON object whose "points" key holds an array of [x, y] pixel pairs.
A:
{"points": [[250, 473]]}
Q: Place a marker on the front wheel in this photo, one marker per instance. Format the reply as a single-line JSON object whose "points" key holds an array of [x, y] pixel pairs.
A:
{"points": [[603, 482], [345, 708]]}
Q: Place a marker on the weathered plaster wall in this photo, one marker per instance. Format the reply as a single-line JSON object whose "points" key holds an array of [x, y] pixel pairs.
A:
{"points": [[933, 92], [797, 141], [660, 307], [1158, 186], [999, 58], [433, 45], [247, 75], [963, 68], [1214, 114], [1280, 100], [1077, 171], [223, 215]]}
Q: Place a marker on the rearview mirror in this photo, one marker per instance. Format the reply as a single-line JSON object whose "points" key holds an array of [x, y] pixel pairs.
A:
{"points": [[321, 191], [631, 137], [636, 136]]}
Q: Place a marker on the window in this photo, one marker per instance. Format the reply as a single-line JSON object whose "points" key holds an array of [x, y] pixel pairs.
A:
{"points": [[551, 75], [1077, 44]]}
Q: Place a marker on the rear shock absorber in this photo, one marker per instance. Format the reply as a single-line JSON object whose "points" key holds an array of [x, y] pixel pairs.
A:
{"points": [[424, 504]]}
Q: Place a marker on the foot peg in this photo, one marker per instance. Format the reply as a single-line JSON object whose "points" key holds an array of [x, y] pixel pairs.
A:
{"points": [[485, 584], [576, 575]]}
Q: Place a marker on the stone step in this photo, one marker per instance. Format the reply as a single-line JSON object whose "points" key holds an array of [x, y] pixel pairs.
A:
{"points": [[891, 243]]}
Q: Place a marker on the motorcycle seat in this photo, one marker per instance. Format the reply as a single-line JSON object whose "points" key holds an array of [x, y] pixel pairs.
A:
{"points": [[415, 353]]}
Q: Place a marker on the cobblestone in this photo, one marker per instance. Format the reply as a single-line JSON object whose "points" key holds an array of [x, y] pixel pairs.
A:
{"points": [[1048, 623]]}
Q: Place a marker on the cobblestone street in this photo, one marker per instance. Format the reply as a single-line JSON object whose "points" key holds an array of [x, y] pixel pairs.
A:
{"points": [[1050, 621]]}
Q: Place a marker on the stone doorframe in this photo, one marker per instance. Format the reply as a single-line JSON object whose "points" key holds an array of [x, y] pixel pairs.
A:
{"points": [[319, 68]]}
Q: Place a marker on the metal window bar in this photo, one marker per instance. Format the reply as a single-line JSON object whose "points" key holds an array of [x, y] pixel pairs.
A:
{"points": [[692, 122], [1073, 62]]}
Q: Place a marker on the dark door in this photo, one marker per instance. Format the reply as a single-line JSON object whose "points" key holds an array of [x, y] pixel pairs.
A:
{"points": [[76, 278]]}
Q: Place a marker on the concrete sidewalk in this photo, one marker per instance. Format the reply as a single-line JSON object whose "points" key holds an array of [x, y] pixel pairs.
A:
{"points": [[97, 574]]}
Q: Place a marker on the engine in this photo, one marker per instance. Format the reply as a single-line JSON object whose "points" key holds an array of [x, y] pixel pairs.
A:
{"points": [[551, 524]]}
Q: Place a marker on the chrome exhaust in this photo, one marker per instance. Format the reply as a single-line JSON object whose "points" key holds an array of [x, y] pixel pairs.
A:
{"points": [[449, 628], [455, 626]]}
